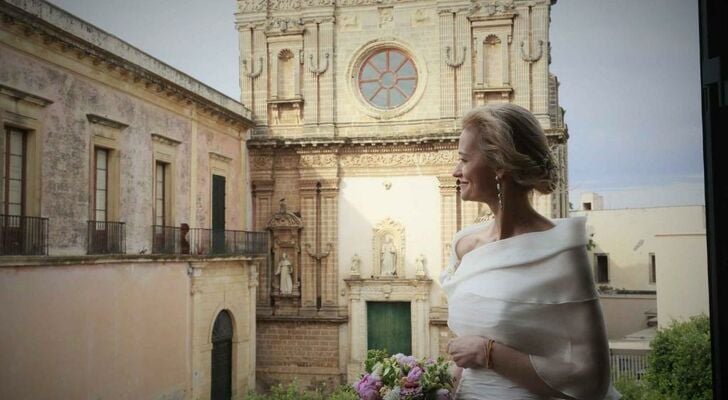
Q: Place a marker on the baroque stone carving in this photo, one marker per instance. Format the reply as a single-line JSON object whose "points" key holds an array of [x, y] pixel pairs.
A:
{"points": [[493, 7], [453, 61], [286, 162], [318, 69], [261, 163], [355, 269], [316, 3], [248, 6], [420, 265], [530, 57], [284, 4], [285, 24], [318, 160], [252, 73], [398, 159], [388, 249]]}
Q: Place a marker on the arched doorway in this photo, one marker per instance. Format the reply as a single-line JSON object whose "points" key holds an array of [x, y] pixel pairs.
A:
{"points": [[222, 357]]}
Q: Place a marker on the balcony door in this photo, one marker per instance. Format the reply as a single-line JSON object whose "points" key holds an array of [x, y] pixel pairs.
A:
{"points": [[12, 196], [218, 214]]}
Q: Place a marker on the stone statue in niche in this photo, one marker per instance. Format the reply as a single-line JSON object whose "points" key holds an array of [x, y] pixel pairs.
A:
{"points": [[355, 269], [389, 257], [284, 269], [420, 262]]}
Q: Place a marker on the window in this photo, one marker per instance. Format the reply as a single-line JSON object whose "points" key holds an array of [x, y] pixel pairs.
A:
{"points": [[387, 79], [602, 270], [653, 269], [13, 172], [586, 206], [160, 193], [101, 179]]}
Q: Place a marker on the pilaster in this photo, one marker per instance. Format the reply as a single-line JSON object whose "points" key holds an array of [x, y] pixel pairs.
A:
{"points": [[464, 74], [447, 73]]}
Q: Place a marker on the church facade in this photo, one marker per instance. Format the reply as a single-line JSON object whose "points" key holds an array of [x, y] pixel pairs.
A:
{"points": [[356, 106]]}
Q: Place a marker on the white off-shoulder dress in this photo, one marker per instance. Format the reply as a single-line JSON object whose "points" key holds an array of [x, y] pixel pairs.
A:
{"points": [[535, 293]]}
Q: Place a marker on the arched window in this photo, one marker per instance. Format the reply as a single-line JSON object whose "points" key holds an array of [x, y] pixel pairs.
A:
{"points": [[222, 357], [286, 76], [387, 78]]}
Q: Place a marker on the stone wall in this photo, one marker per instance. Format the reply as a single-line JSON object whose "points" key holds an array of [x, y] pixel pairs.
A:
{"points": [[304, 350]]}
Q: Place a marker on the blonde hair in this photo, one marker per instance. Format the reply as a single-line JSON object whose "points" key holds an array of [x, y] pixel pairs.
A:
{"points": [[512, 140]]}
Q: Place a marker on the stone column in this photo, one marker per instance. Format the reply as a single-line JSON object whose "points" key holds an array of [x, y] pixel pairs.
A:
{"points": [[329, 235], [310, 87], [464, 77], [469, 213], [420, 323], [262, 210], [447, 76], [448, 215], [521, 68], [326, 79], [358, 333], [540, 68], [308, 243], [261, 82]]}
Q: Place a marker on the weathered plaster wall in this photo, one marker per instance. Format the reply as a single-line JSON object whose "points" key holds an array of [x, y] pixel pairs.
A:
{"points": [[117, 330], [682, 276], [77, 90], [413, 201], [627, 236], [625, 314]]}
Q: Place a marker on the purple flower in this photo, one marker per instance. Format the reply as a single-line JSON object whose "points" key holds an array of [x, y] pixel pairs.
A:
{"points": [[368, 387], [405, 361], [414, 375], [443, 394], [411, 392]]}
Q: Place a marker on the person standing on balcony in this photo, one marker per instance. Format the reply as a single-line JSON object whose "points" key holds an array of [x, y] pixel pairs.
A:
{"points": [[521, 296]]}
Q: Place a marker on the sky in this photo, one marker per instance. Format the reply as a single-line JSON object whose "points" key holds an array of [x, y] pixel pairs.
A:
{"points": [[629, 73]]}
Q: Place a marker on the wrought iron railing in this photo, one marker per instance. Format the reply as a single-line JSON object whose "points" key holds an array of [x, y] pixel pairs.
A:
{"points": [[199, 241], [631, 365], [106, 237], [20, 235]]}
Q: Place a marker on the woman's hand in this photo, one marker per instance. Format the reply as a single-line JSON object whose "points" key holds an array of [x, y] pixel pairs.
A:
{"points": [[468, 351]]}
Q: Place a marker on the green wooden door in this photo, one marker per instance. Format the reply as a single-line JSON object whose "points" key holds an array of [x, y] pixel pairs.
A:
{"points": [[389, 326]]}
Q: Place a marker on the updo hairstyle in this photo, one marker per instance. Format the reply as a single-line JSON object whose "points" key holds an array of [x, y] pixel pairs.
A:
{"points": [[512, 140]]}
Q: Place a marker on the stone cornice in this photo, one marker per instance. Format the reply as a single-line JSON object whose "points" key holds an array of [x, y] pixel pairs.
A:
{"points": [[57, 28], [157, 138], [24, 96], [373, 141], [105, 121], [220, 157]]}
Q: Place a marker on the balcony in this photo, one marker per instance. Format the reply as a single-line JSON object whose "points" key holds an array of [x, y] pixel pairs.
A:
{"points": [[205, 242], [20, 235], [106, 237]]}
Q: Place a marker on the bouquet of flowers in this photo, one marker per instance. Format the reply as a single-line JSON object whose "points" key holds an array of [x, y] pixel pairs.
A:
{"points": [[401, 377]]}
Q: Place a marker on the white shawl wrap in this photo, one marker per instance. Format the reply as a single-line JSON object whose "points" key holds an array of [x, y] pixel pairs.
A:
{"points": [[535, 293]]}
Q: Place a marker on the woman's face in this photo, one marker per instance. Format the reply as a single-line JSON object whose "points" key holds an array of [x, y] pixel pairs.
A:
{"points": [[477, 179]]}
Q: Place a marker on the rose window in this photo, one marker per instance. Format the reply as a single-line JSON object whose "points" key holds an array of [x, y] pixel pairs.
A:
{"points": [[387, 79]]}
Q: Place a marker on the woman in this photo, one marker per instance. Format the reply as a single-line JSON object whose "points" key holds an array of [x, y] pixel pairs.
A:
{"points": [[520, 291]]}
